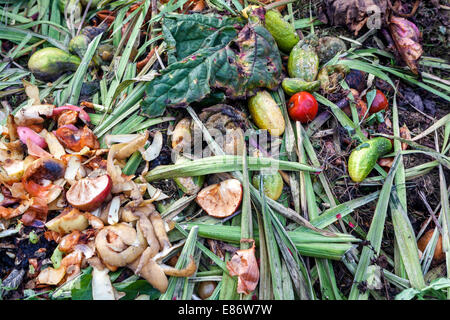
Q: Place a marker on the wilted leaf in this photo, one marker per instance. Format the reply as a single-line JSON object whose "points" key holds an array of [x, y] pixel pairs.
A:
{"points": [[237, 65], [407, 38], [353, 13], [13, 280], [244, 265]]}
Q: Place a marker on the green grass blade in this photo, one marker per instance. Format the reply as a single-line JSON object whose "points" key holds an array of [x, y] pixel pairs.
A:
{"points": [[78, 78], [374, 235]]}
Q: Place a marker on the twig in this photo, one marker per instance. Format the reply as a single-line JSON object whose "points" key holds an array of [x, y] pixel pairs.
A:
{"points": [[84, 16]]}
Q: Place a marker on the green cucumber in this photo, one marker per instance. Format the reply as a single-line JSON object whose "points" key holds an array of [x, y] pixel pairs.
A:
{"points": [[293, 85], [281, 30], [364, 157]]}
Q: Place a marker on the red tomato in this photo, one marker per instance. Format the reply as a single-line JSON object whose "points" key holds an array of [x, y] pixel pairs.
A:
{"points": [[379, 103], [303, 107]]}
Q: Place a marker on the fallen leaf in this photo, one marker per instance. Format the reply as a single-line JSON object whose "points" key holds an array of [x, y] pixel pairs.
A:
{"points": [[354, 14], [244, 265], [32, 92], [407, 39]]}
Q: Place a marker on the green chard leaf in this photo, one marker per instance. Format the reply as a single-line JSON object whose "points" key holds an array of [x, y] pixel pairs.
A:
{"points": [[186, 34], [237, 65]]}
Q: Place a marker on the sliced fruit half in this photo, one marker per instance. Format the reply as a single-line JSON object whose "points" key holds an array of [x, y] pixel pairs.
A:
{"points": [[88, 194], [222, 199]]}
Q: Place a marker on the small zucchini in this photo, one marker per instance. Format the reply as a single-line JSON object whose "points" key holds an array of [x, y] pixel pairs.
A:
{"points": [[364, 157], [293, 85]]}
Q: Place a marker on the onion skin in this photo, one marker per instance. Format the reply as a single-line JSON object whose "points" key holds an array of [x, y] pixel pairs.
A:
{"points": [[244, 265]]}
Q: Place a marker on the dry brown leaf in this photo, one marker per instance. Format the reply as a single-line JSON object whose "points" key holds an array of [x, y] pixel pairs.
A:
{"points": [[407, 39], [354, 13], [32, 92]]}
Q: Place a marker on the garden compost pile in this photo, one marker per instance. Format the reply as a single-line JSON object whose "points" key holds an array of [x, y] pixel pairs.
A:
{"points": [[218, 150]]}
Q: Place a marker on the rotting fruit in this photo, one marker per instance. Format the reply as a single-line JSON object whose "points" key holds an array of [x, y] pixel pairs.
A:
{"points": [[266, 114], [273, 184], [356, 79], [303, 107], [89, 193], [379, 103], [303, 61], [49, 63], [228, 121], [328, 48]]}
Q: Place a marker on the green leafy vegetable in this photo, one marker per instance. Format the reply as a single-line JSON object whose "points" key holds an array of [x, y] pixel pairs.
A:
{"points": [[237, 62], [83, 288]]}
